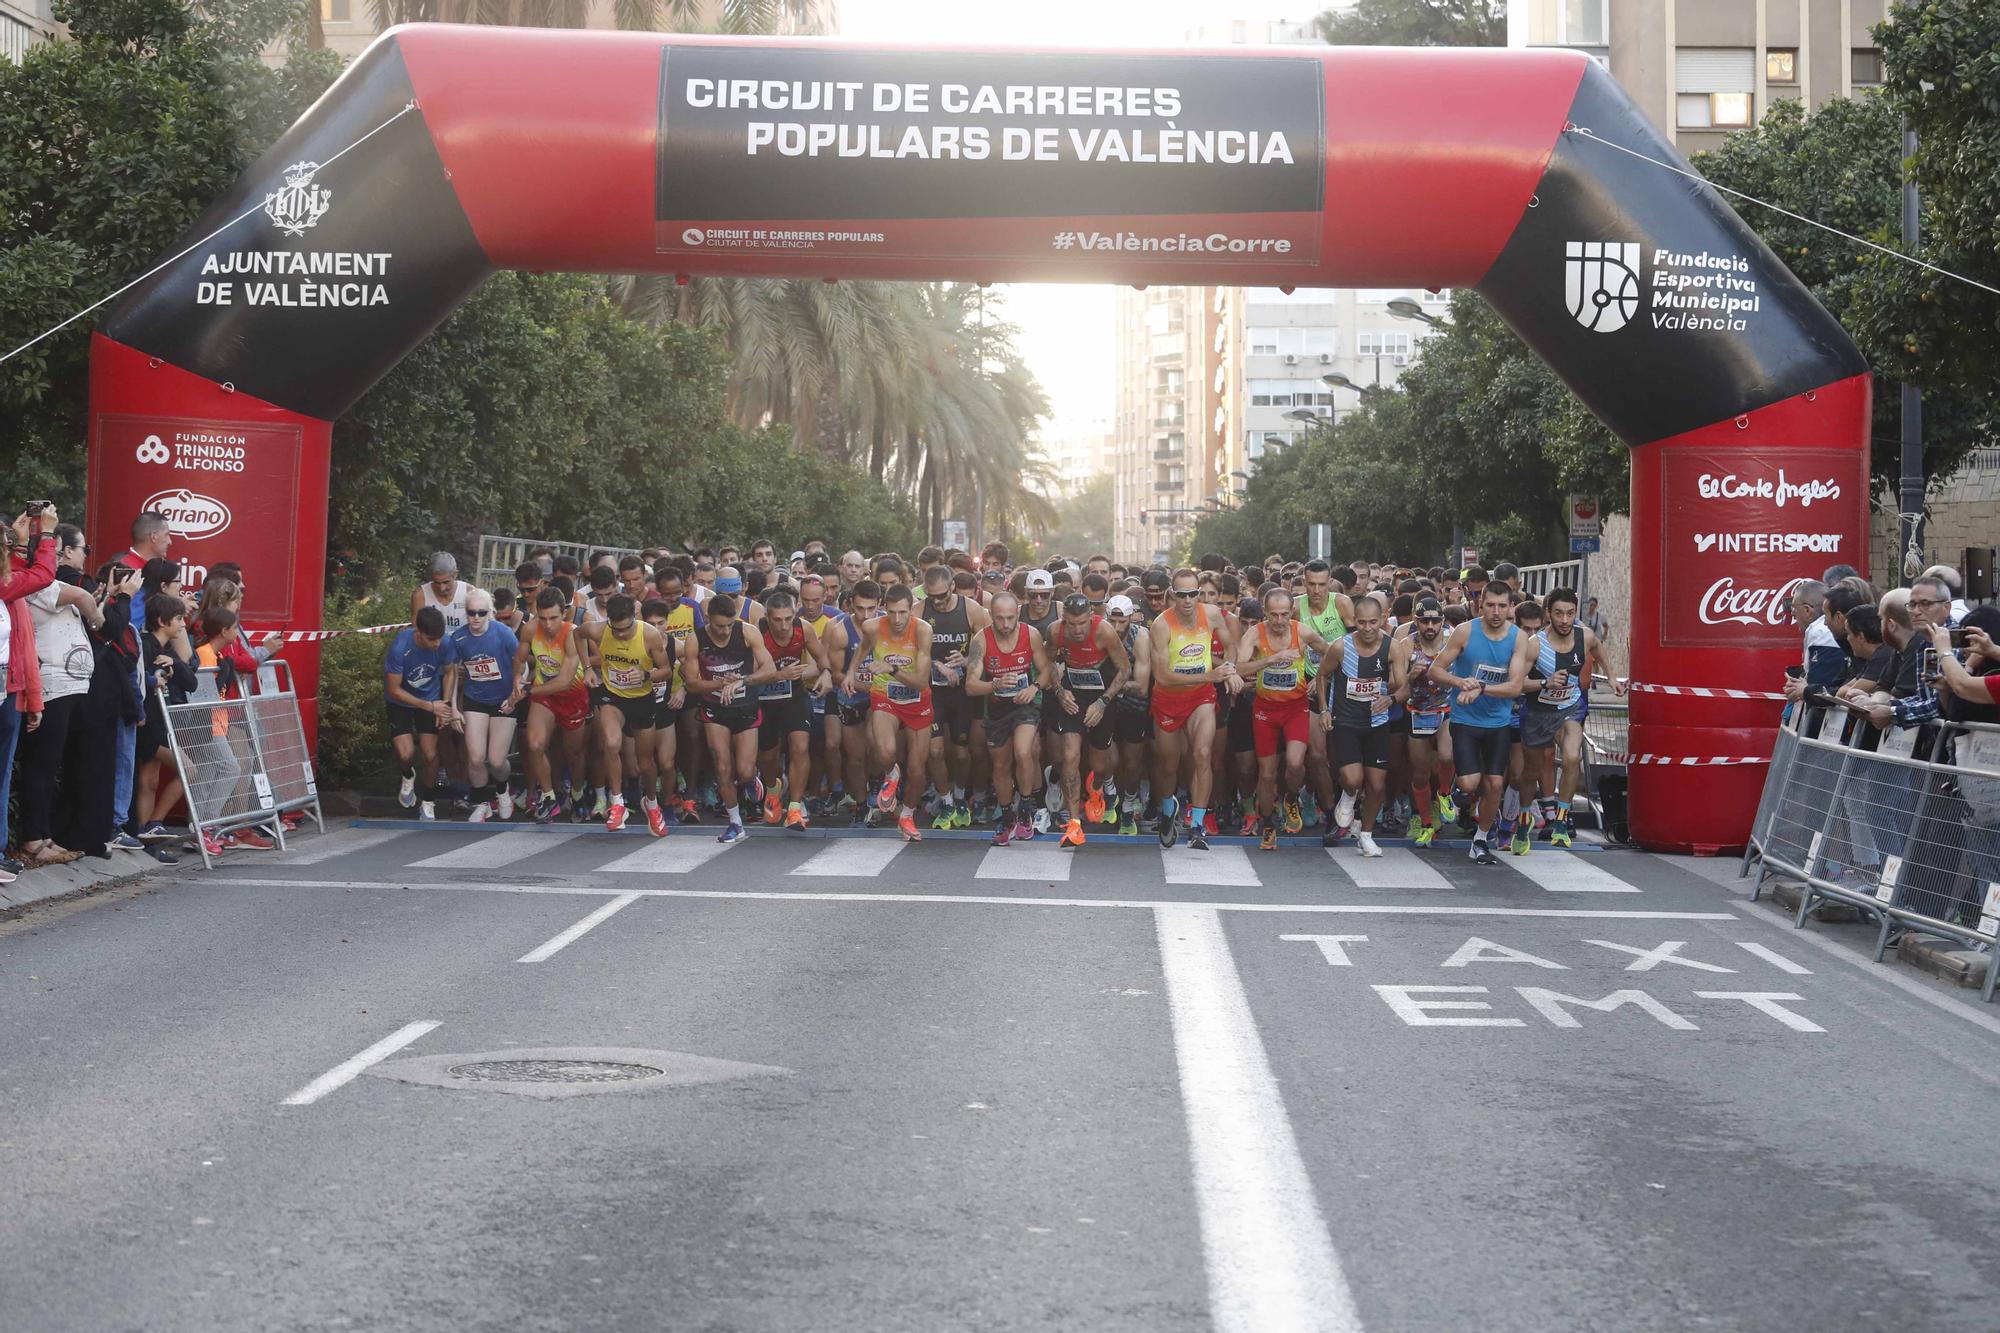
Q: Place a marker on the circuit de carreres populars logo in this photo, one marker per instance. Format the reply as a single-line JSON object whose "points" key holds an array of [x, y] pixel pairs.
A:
{"points": [[189, 514]]}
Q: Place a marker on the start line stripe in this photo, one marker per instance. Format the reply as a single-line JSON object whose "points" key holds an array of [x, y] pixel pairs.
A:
{"points": [[584, 886]]}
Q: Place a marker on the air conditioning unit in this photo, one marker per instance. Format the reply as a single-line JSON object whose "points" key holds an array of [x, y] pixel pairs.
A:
{"points": [[1326, 358], [1400, 359], [1291, 358]]}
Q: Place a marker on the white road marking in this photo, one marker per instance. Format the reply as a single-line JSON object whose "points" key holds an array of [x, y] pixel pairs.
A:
{"points": [[1395, 868], [670, 856], [1417, 1013], [494, 853], [1766, 1002], [584, 886], [580, 929], [1333, 948], [1217, 865], [1645, 960], [345, 1072], [1566, 872], [1048, 863], [1271, 1264], [312, 851], [852, 858], [1774, 958]]}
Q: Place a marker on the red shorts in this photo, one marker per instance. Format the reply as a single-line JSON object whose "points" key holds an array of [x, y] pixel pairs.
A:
{"points": [[571, 707], [1278, 722], [1173, 708], [917, 716]]}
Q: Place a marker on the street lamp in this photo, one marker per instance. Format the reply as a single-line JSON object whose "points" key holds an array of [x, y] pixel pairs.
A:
{"points": [[1404, 308]]}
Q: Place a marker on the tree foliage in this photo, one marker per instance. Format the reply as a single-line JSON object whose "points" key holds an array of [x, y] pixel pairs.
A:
{"points": [[1416, 23], [1084, 522]]}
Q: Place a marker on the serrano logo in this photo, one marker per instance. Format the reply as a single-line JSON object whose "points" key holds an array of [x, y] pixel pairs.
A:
{"points": [[188, 514], [1726, 604], [1601, 283]]}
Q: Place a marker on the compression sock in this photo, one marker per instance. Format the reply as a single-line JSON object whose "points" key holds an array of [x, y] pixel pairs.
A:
{"points": [[735, 814], [1423, 807]]}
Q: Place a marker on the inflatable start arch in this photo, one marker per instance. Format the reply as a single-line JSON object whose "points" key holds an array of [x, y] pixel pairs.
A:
{"points": [[446, 152]]}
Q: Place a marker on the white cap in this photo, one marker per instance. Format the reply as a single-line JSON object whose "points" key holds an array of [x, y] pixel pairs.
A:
{"points": [[1075, 571], [1121, 605], [1040, 578], [798, 555]]}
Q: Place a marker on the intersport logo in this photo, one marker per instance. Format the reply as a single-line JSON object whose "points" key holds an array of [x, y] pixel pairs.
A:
{"points": [[1726, 604], [188, 514]]}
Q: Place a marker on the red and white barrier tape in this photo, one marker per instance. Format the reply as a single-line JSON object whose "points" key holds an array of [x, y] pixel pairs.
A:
{"points": [[269, 636], [1682, 761], [1700, 691]]}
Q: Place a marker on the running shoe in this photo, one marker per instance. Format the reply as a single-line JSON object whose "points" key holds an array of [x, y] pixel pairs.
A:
{"points": [[1003, 834], [157, 832], [1425, 832], [1446, 808], [212, 844], [907, 826], [1128, 824], [944, 818], [1366, 842], [961, 814], [885, 800], [254, 839], [1560, 831], [1198, 837], [796, 818], [731, 833], [427, 812], [1024, 830], [1524, 838], [1249, 828], [1093, 799], [614, 818], [480, 814], [1330, 838], [1468, 821], [1072, 833], [751, 793], [406, 794], [1343, 813], [1209, 825], [1482, 853], [1392, 824], [689, 815], [845, 808], [1295, 819], [774, 806], [1269, 842], [506, 805], [1043, 820], [1166, 827], [656, 819], [1110, 803], [545, 808], [602, 807]]}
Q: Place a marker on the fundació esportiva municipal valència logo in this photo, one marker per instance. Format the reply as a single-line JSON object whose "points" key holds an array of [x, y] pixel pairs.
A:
{"points": [[1601, 283]]}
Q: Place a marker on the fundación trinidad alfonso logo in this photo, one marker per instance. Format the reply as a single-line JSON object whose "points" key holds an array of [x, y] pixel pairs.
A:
{"points": [[152, 450], [1601, 283], [189, 514], [300, 204]]}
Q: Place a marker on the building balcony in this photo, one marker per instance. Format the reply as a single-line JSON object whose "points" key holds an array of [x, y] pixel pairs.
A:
{"points": [[1168, 422], [1168, 487], [1169, 453]]}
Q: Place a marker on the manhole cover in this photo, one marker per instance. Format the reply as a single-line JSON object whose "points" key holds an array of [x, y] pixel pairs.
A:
{"points": [[552, 1071]]}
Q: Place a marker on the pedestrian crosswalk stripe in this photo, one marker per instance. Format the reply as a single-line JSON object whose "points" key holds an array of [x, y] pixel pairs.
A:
{"points": [[1217, 865], [1566, 872], [1395, 868], [852, 858], [670, 856], [1046, 862], [310, 851], [493, 853]]}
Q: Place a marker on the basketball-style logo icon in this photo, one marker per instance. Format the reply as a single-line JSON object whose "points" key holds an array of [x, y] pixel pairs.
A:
{"points": [[151, 450], [1601, 283]]}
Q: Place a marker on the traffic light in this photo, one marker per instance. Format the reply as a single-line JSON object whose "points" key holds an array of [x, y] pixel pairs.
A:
{"points": [[1142, 518]]}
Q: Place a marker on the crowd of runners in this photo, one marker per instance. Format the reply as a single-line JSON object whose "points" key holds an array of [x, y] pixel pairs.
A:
{"points": [[725, 686]]}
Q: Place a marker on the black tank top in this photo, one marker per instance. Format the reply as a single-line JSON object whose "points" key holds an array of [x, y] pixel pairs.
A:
{"points": [[1364, 678], [733, 659], [950, 632]]}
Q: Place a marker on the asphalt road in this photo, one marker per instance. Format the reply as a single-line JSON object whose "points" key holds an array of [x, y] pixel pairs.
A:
{"points": [[946, 1087]]}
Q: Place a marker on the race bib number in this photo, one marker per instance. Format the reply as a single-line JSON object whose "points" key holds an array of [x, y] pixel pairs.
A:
{"points": [[898, 693], [939, 676], [1425, 724], [1190, 669], [1312, 659], [1560, 697], [1277, 679], [1011, 682], [1488, 674], [482, 668], [1084, 678], [627, 678], [1372, 688], [776, 689]]}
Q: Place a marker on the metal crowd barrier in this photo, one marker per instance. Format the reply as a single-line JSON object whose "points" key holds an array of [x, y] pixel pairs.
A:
{"points": [[1604, 750], [1909, 833], [244, 761], [499, 557]]}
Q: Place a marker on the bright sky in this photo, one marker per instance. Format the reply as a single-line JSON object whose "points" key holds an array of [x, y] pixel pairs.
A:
{"points": [[1066, 328]]}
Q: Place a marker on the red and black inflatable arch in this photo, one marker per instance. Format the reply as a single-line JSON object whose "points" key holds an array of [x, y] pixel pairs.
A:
{"points": [[215, 382]]}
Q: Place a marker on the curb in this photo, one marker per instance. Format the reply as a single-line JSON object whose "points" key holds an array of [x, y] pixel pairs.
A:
{"points": [[83, 875], [1946, 959], [1787, 892]]}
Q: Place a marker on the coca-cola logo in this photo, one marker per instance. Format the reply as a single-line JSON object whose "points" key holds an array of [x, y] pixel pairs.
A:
{"points": [[1726, 604], [189, 514]]}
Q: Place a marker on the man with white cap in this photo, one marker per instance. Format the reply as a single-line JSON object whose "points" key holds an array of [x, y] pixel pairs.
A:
{"points": [[1131, 718]]}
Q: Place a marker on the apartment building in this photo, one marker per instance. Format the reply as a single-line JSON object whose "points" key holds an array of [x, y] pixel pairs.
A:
{"points": [[1163, 449], [22, 24], [1702, 68], [349, 25]]}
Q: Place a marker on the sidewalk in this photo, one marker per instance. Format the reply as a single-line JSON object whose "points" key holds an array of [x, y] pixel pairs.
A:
{"points": [[85, 873]]}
